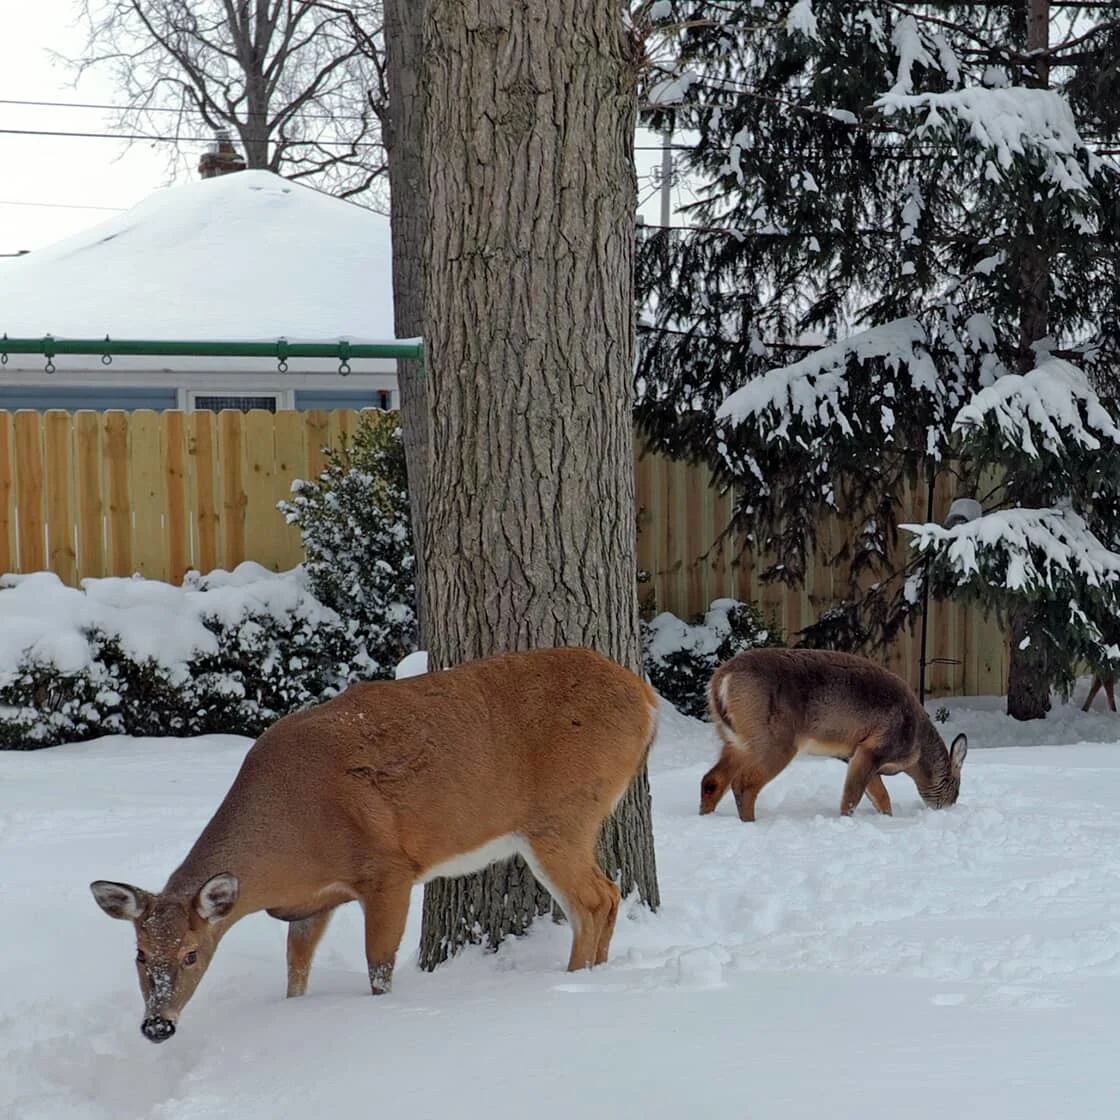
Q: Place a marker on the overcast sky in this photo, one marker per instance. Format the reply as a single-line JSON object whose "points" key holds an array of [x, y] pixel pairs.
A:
{"points": [[51, 186], [45, 179]]}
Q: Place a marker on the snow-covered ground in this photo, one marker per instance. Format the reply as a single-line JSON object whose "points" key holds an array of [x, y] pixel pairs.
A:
{"points": [[955, 964]]}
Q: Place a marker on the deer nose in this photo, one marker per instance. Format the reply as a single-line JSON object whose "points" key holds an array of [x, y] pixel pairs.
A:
{"points": [[157, 1030]]}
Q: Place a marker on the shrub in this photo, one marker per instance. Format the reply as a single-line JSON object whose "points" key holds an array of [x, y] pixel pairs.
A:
{"points": [[680, 657], [356, 532], [228, 652]]}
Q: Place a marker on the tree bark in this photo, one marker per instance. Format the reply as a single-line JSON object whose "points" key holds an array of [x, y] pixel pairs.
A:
{"points": [[403, 134], [1029, 677], [530, 534], [1029, 673]]}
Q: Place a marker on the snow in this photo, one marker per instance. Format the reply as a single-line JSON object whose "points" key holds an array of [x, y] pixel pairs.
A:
{"points": [[414, 665], [815, 389], [1037, 548], [672, 89], [43, 618], [666, 634], [1005, 122], [1044, 405], [249, 256], [966, 961], [908, 45], [803, 20]]}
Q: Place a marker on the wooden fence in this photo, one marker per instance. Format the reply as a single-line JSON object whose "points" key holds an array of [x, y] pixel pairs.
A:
{"points": [[94, 494]]}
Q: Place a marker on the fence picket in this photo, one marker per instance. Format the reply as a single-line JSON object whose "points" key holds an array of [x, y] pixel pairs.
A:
{"points": [[91, 502], [58, 449], [176, 487], [115, 455], [30, 514], [146, 482], [8, 555]]}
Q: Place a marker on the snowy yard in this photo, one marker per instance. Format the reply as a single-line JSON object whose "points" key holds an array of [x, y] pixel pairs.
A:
{"points": [[956, 964]]}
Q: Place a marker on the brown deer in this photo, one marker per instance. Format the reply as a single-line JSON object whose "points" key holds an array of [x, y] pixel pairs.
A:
{"points": [[769, 705], [395, 782], [1101, 680]]}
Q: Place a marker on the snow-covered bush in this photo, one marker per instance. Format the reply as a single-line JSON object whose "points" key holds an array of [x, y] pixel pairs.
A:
{"points": [[229, 652], [680, 657], [354, 523]]}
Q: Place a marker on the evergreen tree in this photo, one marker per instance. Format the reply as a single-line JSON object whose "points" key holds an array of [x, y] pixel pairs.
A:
{"points": [[907, 217]]}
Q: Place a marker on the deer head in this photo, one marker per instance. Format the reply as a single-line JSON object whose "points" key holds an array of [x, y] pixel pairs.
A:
{"points": [[174, 942]]}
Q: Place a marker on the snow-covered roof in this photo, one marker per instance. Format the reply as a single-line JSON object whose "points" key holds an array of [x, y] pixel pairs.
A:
{"points": [[242, 256]]}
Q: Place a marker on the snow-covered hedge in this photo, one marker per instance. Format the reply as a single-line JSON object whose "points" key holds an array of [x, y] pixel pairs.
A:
{"points": [[230, 651], [356, 529], [680, 657]]}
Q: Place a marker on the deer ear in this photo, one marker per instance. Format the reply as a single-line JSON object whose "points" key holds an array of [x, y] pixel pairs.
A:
{"points": [[217, 897], [958, 751], [119, 900]]}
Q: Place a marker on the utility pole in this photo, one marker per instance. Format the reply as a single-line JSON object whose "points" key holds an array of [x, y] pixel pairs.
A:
{"points": [[666, 179]]}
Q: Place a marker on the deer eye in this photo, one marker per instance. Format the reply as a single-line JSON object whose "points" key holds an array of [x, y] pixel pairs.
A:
{"points": [[709, 787], [140, 957], [190, 958]]}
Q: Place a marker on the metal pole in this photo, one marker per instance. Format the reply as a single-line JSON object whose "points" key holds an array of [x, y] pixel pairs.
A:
{"points": [[280, 349], [930, 476], [666, 179]]}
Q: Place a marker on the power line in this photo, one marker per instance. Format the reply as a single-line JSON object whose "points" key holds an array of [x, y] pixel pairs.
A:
{"points": [[60, 205], [105, 107], [178, 139], [173, 139]]}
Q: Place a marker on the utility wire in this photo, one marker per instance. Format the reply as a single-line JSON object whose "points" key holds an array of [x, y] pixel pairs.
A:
{"points": [[173, 139], [60, 205], [210, 139], [153, 109]]}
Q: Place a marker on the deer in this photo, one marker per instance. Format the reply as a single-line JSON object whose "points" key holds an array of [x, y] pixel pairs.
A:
{"points": [[771, 704], [391, 783], [1107, 681]]}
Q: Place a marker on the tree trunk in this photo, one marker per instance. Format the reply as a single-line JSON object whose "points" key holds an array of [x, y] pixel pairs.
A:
{"points": [[402, 131], [1029, 673], [530, 536], [1029, 676]]}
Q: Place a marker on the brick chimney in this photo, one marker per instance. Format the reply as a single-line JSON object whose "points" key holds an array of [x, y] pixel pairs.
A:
{"points": [[221, 158]]}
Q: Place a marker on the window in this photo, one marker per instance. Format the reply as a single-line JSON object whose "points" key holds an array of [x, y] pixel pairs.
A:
{"points": [[215, 402]]}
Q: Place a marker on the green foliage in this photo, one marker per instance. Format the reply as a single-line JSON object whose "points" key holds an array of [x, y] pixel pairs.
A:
{"points": [[356, 532], [877, 187]]}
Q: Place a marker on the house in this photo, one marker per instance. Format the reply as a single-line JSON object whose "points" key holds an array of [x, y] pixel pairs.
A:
{"points": [[236, 257]]}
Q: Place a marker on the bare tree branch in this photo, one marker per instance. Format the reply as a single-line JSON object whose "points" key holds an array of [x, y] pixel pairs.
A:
{"points": [[299, 83]]}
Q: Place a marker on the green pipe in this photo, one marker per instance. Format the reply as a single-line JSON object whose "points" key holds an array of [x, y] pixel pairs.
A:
{"points": [[280, 349]]}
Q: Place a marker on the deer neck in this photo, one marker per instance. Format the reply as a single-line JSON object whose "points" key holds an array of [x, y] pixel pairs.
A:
{"points": [[230, 843]]}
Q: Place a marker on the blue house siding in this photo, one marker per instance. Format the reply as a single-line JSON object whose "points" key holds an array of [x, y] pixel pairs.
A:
{"points": [[342, 398], [74, 397]]}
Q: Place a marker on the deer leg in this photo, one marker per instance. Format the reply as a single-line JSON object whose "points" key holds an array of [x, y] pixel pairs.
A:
{"points": [[1094, 688], [304, 935], [1109, 684], [385, 903], [876, 791], [861, 768], [755, 771], [588, 898], [877, 794]]}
